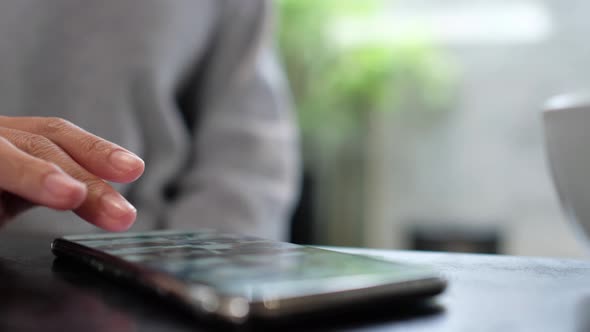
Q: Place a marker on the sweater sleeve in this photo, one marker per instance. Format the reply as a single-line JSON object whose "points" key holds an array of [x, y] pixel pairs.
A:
{"points": [[244, 171]]}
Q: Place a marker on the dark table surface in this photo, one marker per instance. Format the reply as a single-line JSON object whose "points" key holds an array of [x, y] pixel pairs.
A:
{"points": [[485, 293]]}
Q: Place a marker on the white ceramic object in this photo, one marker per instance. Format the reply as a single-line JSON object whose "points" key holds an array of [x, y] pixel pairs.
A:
{"points": [[566, 119]]}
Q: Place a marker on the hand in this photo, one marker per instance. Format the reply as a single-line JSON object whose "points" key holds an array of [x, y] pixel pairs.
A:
{"points": [[51, 162]]}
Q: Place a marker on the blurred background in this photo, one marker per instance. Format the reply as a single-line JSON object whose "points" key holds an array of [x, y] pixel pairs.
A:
{"points": [[421, 120]]}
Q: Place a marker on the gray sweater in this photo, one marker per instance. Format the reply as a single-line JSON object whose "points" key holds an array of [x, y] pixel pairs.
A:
{"points": [[191, 86]]}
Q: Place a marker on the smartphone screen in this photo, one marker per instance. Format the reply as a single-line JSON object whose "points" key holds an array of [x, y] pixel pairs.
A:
{"points": [[273, 278]]}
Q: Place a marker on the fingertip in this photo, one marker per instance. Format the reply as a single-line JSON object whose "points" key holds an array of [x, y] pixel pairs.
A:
{"points": [[116, 213], [102, 220], [63, 192], [135, 174], [120, 224], [129, 166], [79, 196], [125, 222]]}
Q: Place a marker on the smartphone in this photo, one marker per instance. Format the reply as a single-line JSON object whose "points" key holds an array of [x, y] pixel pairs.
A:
{"points": [[236, 278]]}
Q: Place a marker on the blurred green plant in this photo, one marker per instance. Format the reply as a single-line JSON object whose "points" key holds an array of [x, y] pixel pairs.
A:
{"points": [[335, 84]]}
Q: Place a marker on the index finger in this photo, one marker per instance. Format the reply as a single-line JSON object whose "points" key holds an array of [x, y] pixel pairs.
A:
{"points": [[105, 159]]}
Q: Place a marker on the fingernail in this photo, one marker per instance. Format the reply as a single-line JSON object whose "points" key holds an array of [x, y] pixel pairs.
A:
{"points": [[115, 206], [61, 184], [125, 161]]}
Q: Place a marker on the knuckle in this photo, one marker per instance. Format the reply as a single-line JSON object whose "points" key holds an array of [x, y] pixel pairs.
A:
{"points": [[93, 145], [56, 125], [38, 145]]}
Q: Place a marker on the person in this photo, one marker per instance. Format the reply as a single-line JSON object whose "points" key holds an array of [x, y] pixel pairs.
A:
{"points": [[193, 88]]}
